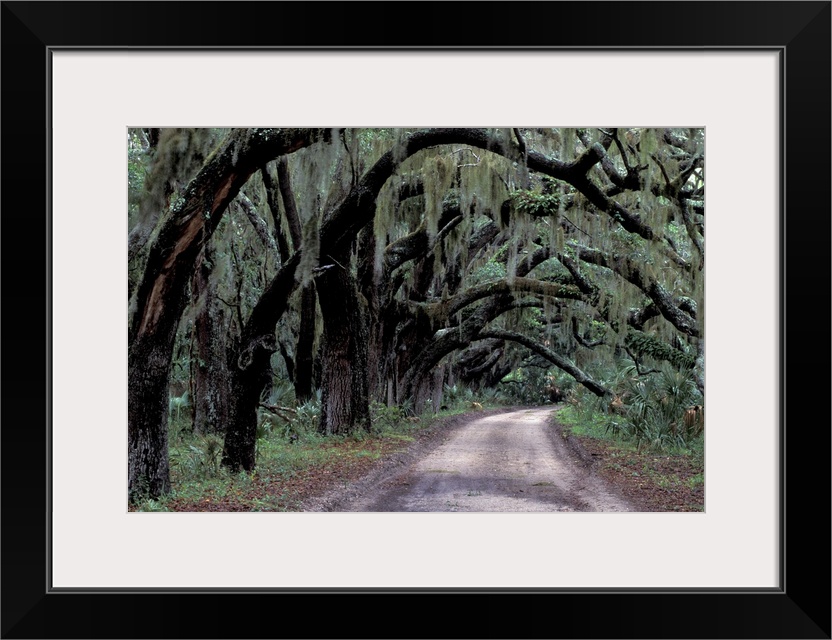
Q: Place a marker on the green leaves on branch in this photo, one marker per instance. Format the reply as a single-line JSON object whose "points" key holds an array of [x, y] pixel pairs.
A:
{"points": [[537, 205], [645, 345]]}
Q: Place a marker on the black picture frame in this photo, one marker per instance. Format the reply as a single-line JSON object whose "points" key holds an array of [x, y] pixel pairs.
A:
{"points": [[800, 608]]}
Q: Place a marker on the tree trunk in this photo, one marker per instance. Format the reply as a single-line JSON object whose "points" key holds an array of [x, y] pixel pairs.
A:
{"points": [[210, 393], [304, 350], [161, 295], [149, 364], [345, 384], [250, 369], [249, 375]]}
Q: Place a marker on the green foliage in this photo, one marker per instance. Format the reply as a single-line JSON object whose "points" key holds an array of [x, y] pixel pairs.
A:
{"points": [[654, 407], [647, 409], [308, 416], [459, 398], [583, 419], [695, 481], [557, 385], [282, 394], [457, 394], [644, 344], [137, 162], [526, 386], [492, 396], [392, 419], [291, 425], [176, 405], [535, 204], [151, 505], [199, 457], [493, 269], [180, 415]]}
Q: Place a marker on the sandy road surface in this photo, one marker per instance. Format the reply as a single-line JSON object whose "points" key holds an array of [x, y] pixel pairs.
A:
{"points": [[505, 462]]}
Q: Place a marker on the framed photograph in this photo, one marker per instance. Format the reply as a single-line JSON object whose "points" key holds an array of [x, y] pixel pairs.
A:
{"points": [[754, 76]]}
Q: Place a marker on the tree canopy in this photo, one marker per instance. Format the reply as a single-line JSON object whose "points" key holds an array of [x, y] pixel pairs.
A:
{"points": [[389, 265]]}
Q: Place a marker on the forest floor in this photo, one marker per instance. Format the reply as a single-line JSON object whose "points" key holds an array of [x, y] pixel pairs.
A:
{"points": [[497, 460]]}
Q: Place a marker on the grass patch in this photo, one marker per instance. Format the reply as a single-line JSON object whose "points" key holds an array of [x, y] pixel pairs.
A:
{"points": [[667, 479], [584, 423], [696, 480]]}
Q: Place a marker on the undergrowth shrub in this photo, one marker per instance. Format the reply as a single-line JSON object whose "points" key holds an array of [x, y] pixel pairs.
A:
{"points": [[456, 395], [535, 386], [286, 419], [654, 408], [394, 418], [180, 415], [199, 458], [648, 409]]}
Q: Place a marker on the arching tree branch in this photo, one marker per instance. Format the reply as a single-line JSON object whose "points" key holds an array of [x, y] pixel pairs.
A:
{"points": [[555, 358]]}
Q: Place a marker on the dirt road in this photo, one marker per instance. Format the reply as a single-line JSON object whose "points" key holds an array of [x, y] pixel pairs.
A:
{"points": [[504, 462]]}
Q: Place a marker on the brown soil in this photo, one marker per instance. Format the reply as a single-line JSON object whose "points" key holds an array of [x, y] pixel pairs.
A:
{"points": [[649, 480]]}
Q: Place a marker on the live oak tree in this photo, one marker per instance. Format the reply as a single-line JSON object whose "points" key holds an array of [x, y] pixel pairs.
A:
{"points": [[160, 297], [385, 265]]}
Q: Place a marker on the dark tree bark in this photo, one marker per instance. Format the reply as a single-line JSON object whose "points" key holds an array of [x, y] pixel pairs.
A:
{"points": [[428, 353], [555, 358], [371, 288], [305, 347], [634, 273], [147, 417], [388, 317], [177, 155], [444, 310], [210, 384], [345, 383], [271, 199], [161, 295], [153, 137], [250, 368], [395, 333], [289, 205], [477, 365], [260, 227], [251, 373]]}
